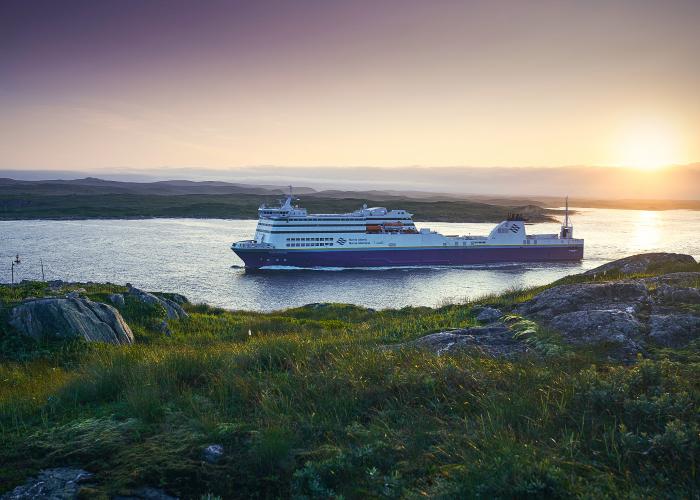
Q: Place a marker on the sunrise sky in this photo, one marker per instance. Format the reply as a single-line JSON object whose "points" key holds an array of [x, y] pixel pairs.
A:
{"points": [[149, 84]]}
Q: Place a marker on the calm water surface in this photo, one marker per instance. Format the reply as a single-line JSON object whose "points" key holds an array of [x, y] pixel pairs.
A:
{"points": [[193, 257]]}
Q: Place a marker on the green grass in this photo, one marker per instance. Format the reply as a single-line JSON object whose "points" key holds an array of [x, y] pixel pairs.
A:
{"points": [[307, 406]]}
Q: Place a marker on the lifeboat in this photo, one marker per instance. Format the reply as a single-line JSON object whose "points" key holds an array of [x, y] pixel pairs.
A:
{"points": [[393, 226], [374, 229]]}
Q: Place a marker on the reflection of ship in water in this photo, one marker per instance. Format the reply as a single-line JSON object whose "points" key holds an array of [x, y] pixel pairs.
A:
{"points": [[287, 235]]}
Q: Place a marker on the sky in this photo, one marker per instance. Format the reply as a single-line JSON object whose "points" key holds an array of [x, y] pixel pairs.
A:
{"points": [[100, 85]]}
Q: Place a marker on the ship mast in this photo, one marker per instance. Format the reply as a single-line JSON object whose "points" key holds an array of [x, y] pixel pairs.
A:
{"points": [[566, 230]]}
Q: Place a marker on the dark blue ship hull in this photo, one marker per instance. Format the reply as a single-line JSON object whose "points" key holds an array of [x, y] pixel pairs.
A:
{"points": [[397, 257]]}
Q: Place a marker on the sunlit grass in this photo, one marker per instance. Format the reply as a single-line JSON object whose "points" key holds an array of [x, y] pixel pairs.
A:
{"points": [[306, 404]]}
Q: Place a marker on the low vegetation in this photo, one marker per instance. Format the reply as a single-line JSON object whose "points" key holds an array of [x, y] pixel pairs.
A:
{"points": [[307, 405]]}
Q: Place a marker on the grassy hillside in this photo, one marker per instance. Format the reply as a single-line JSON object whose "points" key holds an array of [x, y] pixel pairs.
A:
{"points": [[307, 404], [95, 198]]}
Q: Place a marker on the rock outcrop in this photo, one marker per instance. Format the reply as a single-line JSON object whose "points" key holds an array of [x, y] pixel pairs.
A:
{"points": [[625, 295], [76, 317], [631, 314], [172, 308], [495, 340], [628, 317], [642, 263], [488, 315], [51, 484]]}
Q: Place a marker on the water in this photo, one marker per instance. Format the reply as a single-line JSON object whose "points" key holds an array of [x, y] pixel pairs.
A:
{"points": [[193, 257]]}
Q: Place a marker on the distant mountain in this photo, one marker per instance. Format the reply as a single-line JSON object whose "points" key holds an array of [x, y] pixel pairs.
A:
{"points": [[92, 185], [492, 184], [677, 187]]}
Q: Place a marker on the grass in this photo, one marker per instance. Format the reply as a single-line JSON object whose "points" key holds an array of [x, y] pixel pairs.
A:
{"points": [[307, 406]]}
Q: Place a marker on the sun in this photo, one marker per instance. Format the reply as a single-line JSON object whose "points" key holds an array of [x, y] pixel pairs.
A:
{"points": [[648, 147]]}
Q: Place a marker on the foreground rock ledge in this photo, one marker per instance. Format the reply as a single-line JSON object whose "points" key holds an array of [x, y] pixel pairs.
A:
{"points": [[495, 340], [75, 317], [628, 315]]}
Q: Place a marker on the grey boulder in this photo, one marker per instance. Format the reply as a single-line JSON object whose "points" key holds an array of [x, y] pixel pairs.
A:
{"points": [[117, 299], [488, 315], [172, 309], [64, 318], [213, 453]]}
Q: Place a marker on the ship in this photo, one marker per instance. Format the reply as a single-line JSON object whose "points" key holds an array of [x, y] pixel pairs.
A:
{"points": [[287, 236]]}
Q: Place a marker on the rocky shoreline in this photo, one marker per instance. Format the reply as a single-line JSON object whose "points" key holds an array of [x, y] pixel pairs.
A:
{"points": [[606, 308]]}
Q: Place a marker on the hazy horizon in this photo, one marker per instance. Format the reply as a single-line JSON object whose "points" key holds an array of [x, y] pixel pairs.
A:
{"points": [[674, 183]]}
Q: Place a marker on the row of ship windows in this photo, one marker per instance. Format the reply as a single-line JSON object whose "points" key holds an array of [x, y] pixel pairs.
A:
{"points": [[305, 219], [309, 239], [464, 243], [358, 220], [318, 244]]}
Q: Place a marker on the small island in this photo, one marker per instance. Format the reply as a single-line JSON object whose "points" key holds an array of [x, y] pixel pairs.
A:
{"points": [[584, 387]]}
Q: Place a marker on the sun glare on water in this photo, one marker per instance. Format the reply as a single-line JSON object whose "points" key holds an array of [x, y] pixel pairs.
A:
{"points": [[650, 147]]}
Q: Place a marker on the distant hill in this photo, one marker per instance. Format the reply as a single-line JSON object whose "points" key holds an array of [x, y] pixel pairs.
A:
{"points": [[97, 198], [479, 181], [93, 185]]}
